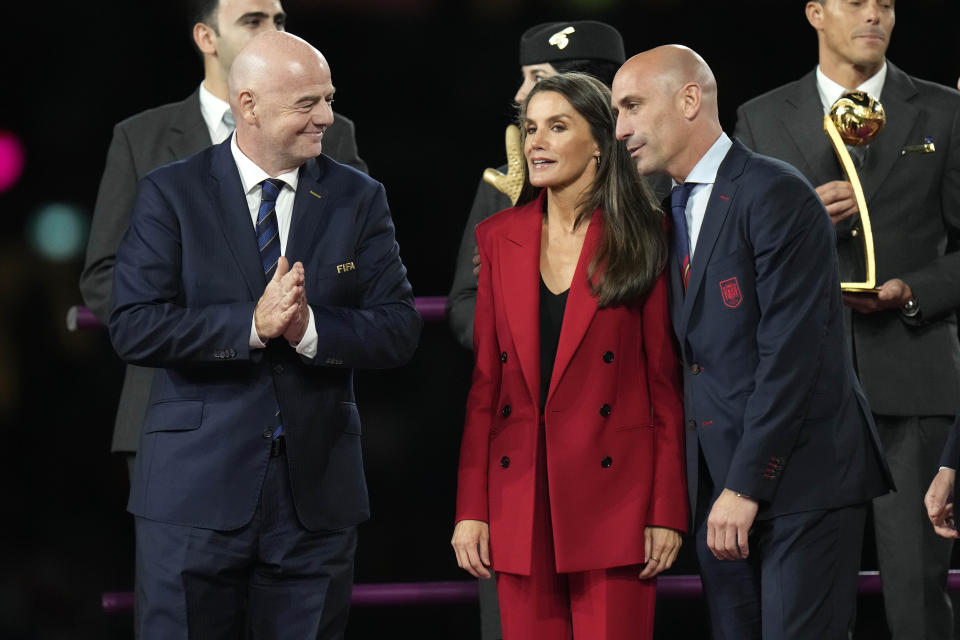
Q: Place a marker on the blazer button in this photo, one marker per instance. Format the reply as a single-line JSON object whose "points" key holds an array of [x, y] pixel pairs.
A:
{"points": [[505, 412], [608, 357], [605, 410], [607, 462], [503, 356], [692, 424], [504, 462], [695, 368], [278, 369], [268, 434]]}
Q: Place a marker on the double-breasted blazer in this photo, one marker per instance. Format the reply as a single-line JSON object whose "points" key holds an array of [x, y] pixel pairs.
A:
{"points": [[612, 419]]}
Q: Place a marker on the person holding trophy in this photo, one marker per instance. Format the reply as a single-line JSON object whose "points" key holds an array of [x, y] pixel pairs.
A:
{"points": [[902, 327]]}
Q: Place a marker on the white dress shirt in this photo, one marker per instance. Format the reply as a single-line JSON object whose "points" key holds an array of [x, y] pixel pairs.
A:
{"points": [[704, 174], [830, 91], [213, 109], [250, 177]]}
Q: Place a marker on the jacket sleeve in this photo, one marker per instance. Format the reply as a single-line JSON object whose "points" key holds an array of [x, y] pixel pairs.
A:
{"points": [[150, 324], [384, 329], [797, 291], [936, 286], [472, 501], [111, 217], [668, 502]]}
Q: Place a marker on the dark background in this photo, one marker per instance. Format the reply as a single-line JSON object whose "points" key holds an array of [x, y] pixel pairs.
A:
{"points": [[429, 85]]}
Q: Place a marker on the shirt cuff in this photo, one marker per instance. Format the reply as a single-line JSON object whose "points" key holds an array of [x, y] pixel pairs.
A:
{"points": [[307, 346], [255, 342]]}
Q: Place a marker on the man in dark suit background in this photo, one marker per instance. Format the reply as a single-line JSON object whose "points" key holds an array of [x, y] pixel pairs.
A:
{"points": [[172, 132], [904, 339], [249, 483], [782, 457]]}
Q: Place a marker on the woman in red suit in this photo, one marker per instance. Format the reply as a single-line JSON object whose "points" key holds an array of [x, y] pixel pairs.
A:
{"points": [[571, 481]]}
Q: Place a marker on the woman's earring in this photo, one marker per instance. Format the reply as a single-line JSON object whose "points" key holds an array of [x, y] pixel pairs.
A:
{"points": [[598, 160]]}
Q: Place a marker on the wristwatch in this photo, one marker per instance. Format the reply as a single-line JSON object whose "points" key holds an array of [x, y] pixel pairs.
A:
{"points": [[911, 308]]}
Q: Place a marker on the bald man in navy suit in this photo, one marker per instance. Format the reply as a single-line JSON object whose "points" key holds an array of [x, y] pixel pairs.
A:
{"points": [[782, 455], [255, 277]]}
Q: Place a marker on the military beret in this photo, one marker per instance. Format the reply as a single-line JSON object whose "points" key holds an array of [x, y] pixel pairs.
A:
{"points": [[580, 39]]}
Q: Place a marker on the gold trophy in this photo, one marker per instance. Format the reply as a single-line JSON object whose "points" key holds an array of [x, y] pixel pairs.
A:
{"points": [[855, 119], [511, 183]]}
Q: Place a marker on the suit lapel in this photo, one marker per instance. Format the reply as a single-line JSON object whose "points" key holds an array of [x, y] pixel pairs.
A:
{"points": [[308, 208], [520, 283], [724, 191], [802, 118], [188, 132], [581, 303], [884, 152], [230, 205]]}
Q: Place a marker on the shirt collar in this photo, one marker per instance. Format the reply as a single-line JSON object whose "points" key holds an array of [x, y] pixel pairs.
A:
{"points": [[252, 175], [705, 171], [830, 91], [212, 108]]}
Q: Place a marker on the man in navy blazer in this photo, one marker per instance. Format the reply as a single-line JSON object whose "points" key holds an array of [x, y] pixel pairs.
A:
{"points": [[249, 483], [782, 456]]}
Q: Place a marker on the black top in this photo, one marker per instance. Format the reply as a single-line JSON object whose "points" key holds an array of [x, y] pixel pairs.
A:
{"points": [[552, 306]]}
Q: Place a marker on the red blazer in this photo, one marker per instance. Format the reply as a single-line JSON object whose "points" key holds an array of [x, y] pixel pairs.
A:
{"points": [[613, 416]]}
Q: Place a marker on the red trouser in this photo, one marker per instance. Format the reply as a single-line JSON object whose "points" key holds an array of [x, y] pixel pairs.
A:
{"points": [[604, 604]]}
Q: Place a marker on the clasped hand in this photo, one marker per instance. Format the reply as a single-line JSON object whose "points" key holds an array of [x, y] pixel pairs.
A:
{"points": [[282, 309]]}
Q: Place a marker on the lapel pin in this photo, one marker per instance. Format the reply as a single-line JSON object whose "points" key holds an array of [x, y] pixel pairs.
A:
{"points": [[346, 266], [315, 194]]}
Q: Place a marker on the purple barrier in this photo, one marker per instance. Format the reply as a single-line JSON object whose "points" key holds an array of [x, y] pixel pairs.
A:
{"points": [[465, 591], [430, 308], [81, 318]]}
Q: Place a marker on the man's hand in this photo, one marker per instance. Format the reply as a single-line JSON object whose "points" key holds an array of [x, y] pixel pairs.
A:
{"points": [[939, 503], [729, 524], [476, 262], [294, 280], [661, 546], [471, 543], [838, 198], [277, 306], [893, 294]]}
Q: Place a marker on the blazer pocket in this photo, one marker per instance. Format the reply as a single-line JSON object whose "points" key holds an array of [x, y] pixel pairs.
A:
{"points": [[635, 427], [173, 415]]}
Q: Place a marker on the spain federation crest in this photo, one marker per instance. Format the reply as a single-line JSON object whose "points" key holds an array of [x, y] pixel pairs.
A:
{"points": [[730, 290]]}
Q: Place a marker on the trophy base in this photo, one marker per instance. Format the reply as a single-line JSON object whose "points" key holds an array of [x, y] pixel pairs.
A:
{"points": [[854, 287]]}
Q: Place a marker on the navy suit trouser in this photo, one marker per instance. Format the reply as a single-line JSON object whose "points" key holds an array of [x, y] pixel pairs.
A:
{"points": [[269, 579], [799, 582]]}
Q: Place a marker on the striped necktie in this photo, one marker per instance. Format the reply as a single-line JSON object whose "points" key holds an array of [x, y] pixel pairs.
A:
{"points": [[268, 240], [268, 231], [681, 237]]}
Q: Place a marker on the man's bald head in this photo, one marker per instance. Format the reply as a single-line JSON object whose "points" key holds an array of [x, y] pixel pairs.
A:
{"points": [[666, 104], [280, 94], [271, 60]]}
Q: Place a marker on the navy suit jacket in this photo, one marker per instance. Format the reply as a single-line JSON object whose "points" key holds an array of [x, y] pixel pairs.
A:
{"points": [[187, 279], [770, 398]]}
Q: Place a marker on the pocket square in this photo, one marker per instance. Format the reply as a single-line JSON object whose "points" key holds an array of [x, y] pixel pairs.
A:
{"points": [[926, 147]]}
